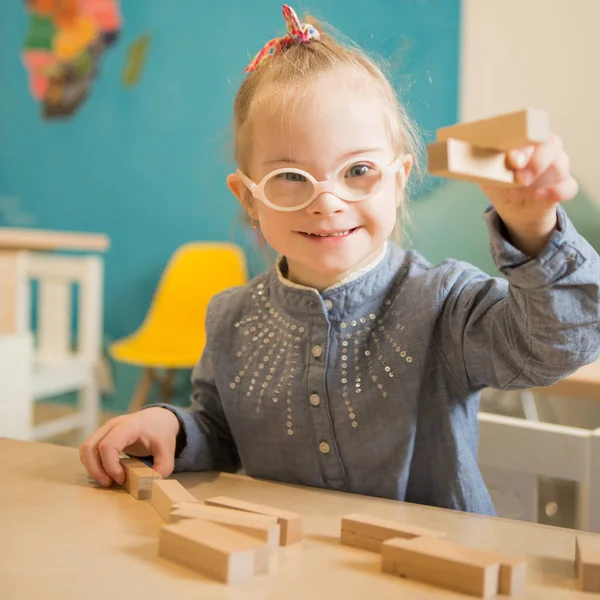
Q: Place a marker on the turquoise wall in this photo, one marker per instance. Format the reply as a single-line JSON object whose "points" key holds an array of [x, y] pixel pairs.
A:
{"points": [[147, 164], [448, 222]]}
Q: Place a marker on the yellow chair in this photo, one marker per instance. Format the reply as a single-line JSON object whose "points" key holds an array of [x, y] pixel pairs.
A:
{"points": [[172, 335]]}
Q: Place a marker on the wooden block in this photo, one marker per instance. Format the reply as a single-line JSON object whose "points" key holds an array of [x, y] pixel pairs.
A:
{"points": [[368, 533], [587, 563], [513, 569], [443, 565], [513, 574], [290, 522], [166, 493], [262, 527], [219, 552], [456, 159], [503, 132], [138, 478]]}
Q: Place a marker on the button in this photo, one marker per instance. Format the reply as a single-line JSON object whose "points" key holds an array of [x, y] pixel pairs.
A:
{"points": [[317, 351], [315, 400], [324, 448], [328, 304]]}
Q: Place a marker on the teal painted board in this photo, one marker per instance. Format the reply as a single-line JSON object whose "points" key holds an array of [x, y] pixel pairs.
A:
{"points": [[147, 163]]}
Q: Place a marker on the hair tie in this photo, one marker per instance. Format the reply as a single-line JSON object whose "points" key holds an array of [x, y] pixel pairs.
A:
{"points": [[298, 33]]}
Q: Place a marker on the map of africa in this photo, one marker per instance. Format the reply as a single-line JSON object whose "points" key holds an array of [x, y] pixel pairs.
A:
{"points": [[63, 46]]}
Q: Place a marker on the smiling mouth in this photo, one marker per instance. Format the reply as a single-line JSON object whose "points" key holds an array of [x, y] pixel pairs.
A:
{"points": [[341, 233]]}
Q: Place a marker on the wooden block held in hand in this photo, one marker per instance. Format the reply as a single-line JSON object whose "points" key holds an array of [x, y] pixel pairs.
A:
{"points": [[219, 552], [443, 565], [290, 522], [166, 493], [368, 533], [587, 563], [262, 527], [503, 132], [138, 478], [456, 159]]}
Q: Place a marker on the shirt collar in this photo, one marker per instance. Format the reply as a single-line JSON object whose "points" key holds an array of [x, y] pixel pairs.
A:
{"points": [[355, 289]]}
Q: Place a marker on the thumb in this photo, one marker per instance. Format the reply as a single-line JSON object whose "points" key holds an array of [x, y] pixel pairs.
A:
{"points": [[164, 457]]}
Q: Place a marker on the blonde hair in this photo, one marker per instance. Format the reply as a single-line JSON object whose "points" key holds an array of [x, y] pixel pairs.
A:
{"points": [[289, 76]]}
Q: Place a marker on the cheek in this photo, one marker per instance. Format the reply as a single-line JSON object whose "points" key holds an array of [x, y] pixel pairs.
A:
{"points": [[275, 226], [382, 211]]}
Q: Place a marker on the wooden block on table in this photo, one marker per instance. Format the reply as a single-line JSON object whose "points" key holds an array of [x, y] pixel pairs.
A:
{"points": [[587, 563], [443, 565], [166, 493], [290, 522], [503, 132], [456, 159], [138, 478], [513, 569], [219, 552], [513, 574], [368, 533], [262, 527]]}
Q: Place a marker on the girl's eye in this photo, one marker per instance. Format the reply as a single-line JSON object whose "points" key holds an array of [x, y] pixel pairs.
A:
{"points": [[293, 177], [358, 170]]}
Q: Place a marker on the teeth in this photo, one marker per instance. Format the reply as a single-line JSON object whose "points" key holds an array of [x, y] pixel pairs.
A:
{"points": [[331, 234]]}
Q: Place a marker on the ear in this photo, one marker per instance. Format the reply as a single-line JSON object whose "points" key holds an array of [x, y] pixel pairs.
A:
{"points": [[241, 192], [406, 168]]}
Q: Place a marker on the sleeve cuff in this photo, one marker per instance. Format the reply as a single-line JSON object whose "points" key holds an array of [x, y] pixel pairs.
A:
{"points": [[189, 446], [564, 253]]}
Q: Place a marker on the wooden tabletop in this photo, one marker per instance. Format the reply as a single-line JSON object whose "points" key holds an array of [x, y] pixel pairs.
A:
{"points": [[63, 537], [41, 239]]}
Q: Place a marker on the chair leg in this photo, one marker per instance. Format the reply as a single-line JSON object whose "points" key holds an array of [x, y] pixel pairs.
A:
{"points": [[89, 406], [167, 385], [142, 391]]}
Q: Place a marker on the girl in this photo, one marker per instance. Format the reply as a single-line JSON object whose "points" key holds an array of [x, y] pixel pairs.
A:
{"points": [[353, 364]]}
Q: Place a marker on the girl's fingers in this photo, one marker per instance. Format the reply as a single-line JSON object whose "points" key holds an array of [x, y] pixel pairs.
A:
{"points": [[556, 172], [111, 446], [558, 192], [518, 159], [540, 161], [88, 453], [164, 457]]}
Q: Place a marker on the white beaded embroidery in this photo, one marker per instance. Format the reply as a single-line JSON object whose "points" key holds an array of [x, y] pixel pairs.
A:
{"points": [[269, 327], [358, 342], [269, 340]]}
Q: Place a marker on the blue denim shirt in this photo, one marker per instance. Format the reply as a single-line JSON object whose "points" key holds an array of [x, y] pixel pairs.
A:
{"points": [[372, 386]]}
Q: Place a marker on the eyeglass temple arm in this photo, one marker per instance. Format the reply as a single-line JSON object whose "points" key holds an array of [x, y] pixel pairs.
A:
{"points": [[246, 180]]}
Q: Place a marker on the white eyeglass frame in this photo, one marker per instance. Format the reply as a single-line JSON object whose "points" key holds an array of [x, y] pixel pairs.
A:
{"points": [[327, 185]]}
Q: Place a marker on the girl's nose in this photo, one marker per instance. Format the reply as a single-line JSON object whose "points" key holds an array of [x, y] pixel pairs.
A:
{"points": [[326, 204]]}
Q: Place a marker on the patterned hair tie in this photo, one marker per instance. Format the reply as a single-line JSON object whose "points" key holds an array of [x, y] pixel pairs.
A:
{"points": [[298, 33]]}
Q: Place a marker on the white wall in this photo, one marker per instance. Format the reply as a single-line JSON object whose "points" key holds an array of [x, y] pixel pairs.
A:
{"points": [[538, 53]]}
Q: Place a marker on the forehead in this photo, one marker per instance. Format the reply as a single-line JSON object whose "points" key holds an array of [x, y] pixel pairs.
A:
{"points": [[336, 115]]}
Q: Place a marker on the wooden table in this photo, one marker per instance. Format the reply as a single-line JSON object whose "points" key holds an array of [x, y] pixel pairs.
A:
{"points": [[62, 537]]}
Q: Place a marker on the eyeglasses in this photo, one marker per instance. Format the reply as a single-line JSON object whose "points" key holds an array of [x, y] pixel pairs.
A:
{"points": [[290, 189]]}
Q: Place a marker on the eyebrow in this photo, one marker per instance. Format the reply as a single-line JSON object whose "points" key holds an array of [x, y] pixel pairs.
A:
{"points": [[293, 161]]}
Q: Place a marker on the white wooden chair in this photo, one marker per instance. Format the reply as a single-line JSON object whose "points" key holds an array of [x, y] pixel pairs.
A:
{"points": [[46, 361], [514, 453]]}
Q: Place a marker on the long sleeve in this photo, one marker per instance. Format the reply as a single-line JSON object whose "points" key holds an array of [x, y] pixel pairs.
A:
{"points": [[209, 444], [533, 328]]}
